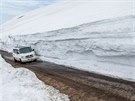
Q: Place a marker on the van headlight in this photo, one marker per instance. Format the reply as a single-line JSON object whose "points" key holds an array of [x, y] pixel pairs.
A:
{"points": [[22, 57]]}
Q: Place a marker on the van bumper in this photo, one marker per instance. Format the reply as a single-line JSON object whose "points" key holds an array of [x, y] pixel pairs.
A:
{"points": [[28, 59]]}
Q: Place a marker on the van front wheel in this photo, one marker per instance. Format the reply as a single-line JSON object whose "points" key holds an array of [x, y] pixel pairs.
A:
{"points": [[15, 60], [21, 61]]}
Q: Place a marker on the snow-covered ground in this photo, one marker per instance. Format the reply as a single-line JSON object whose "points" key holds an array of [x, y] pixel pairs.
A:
{"points": [[22, 85], [65, 14], [105, 47], [92, 35]]}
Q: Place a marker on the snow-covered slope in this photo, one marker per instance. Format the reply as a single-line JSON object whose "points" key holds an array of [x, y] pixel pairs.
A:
{"points": [[106, 46], [66, 13], [23, 85], [103, 40]]}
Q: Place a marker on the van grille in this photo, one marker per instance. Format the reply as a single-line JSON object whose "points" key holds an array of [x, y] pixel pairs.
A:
{"points": [[29, 56]]}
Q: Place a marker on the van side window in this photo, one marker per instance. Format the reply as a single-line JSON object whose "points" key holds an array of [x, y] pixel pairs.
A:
{"points": [[15, 51]]}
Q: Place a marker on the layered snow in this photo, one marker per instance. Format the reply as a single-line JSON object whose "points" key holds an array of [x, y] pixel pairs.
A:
{"points": [[106, 47], [65, 14], [22, 85], [92, 35]]}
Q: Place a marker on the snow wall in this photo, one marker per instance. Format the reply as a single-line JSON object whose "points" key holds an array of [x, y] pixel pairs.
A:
{"points": [[107, 45]]}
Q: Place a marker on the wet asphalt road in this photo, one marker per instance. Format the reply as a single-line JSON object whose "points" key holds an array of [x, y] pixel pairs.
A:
{"points": [[79, 85]]}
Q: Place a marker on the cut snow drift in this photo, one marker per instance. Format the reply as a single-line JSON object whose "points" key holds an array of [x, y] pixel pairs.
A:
{"points": [[22, 85], [102, 46], [106, 47]]}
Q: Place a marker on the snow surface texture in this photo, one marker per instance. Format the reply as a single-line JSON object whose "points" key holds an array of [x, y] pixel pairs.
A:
{"points": [[22, 85], [105, 47], [65, 14]]}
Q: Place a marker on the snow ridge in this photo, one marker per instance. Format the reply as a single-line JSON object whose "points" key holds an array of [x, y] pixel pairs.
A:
{"points": [[65, 14], [21, 84], [105, 46]]}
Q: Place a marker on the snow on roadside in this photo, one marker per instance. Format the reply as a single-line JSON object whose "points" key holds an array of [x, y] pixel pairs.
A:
{"points": [[117, 71], [105, 47], [22, 85], [92, 35]]}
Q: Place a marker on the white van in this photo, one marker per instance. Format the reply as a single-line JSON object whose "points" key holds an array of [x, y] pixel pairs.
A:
{"points": [[24, 54]]}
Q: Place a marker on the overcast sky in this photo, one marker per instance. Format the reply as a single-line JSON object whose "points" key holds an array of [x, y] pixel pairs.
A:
{"points": [[11, 8]]}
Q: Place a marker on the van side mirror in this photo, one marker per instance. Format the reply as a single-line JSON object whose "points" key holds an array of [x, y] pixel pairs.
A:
{"points": [[17, 52], [32, 49]]}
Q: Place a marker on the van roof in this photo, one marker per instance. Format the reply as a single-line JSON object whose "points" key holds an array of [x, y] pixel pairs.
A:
{"points": [[18, 47]]}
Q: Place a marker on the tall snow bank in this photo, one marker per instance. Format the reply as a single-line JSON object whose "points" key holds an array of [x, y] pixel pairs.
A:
{"points": [[105, 47], [65, 14], [22, 85]]}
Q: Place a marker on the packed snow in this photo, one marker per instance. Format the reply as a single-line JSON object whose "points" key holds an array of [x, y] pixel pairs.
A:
{"points": [[22, 85], [65, 14], [105, 47], [91, 35]]}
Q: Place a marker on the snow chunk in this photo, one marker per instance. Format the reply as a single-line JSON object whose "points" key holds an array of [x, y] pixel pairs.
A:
{"points": [[22, 85]]}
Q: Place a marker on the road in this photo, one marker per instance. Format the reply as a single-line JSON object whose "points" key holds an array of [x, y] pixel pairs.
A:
{"points": [[79, 85]]}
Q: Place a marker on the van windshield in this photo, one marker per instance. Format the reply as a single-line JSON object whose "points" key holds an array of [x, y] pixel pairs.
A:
{"points": [[25, 50]]}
